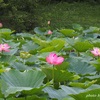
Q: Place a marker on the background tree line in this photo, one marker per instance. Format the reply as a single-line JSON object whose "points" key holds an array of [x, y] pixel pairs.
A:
{"points": [[19, 14]]}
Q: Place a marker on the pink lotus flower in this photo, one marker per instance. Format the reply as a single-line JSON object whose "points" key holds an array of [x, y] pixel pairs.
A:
{"points": [[49, 32], [96, 51], [54, 59], [1, 25], [4, 47]]}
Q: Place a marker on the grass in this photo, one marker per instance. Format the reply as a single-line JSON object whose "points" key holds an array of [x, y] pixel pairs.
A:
{"points": [[63, 14]]}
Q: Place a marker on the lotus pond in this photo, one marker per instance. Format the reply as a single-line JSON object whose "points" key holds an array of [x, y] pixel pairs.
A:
{"points": [[62, 64]]}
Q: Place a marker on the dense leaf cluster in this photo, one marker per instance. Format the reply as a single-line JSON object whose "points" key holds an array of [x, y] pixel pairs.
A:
{"points": [[18, 14], [70, 1], [25, 74]]}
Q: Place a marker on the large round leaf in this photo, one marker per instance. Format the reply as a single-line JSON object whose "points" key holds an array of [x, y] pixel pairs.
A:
{"points": [[62, 93], [40, 42], [68, 32], [8, 59], [29, 46], [80, 67], [58, 44], [5, 31], [53, 93], [14, 81], [54, 45], [96, 42], [59, 75], [39, 31], [82, 46], [82, 85], [77, 27]]}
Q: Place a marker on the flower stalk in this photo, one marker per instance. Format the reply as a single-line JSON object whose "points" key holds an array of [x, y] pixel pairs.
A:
{"points": [[53, 76]]}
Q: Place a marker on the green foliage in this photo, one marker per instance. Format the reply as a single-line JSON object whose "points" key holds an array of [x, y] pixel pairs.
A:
{"points": [[68, 32], [79, 44], [70, 1], [82, 85], [15, 81], [25, 74], [24, 15], [59, 75], [18, 14], [80, 68], [63, 14], [89, 95]]}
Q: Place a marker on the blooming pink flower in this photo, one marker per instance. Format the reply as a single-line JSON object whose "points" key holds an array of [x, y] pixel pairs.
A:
{"points": [[96, 51], [4, 47], [49, 32], [1, 25], [54, 59]]}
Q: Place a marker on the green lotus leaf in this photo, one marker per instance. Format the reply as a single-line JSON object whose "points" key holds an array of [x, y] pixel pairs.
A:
{"points": [[58, 44], [96, 64], [96, 43], [82, 85], [35, 97], [39, 31], [88, 95], [14, 81], [5, 31], [59, 75], [24, 35], [40, 42], [53, 93], [62, 93], [82, 46], [69, 32], [54, 45], [8, 59], [77, 27], [94, 29], [80, 67], [29, 46]]}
